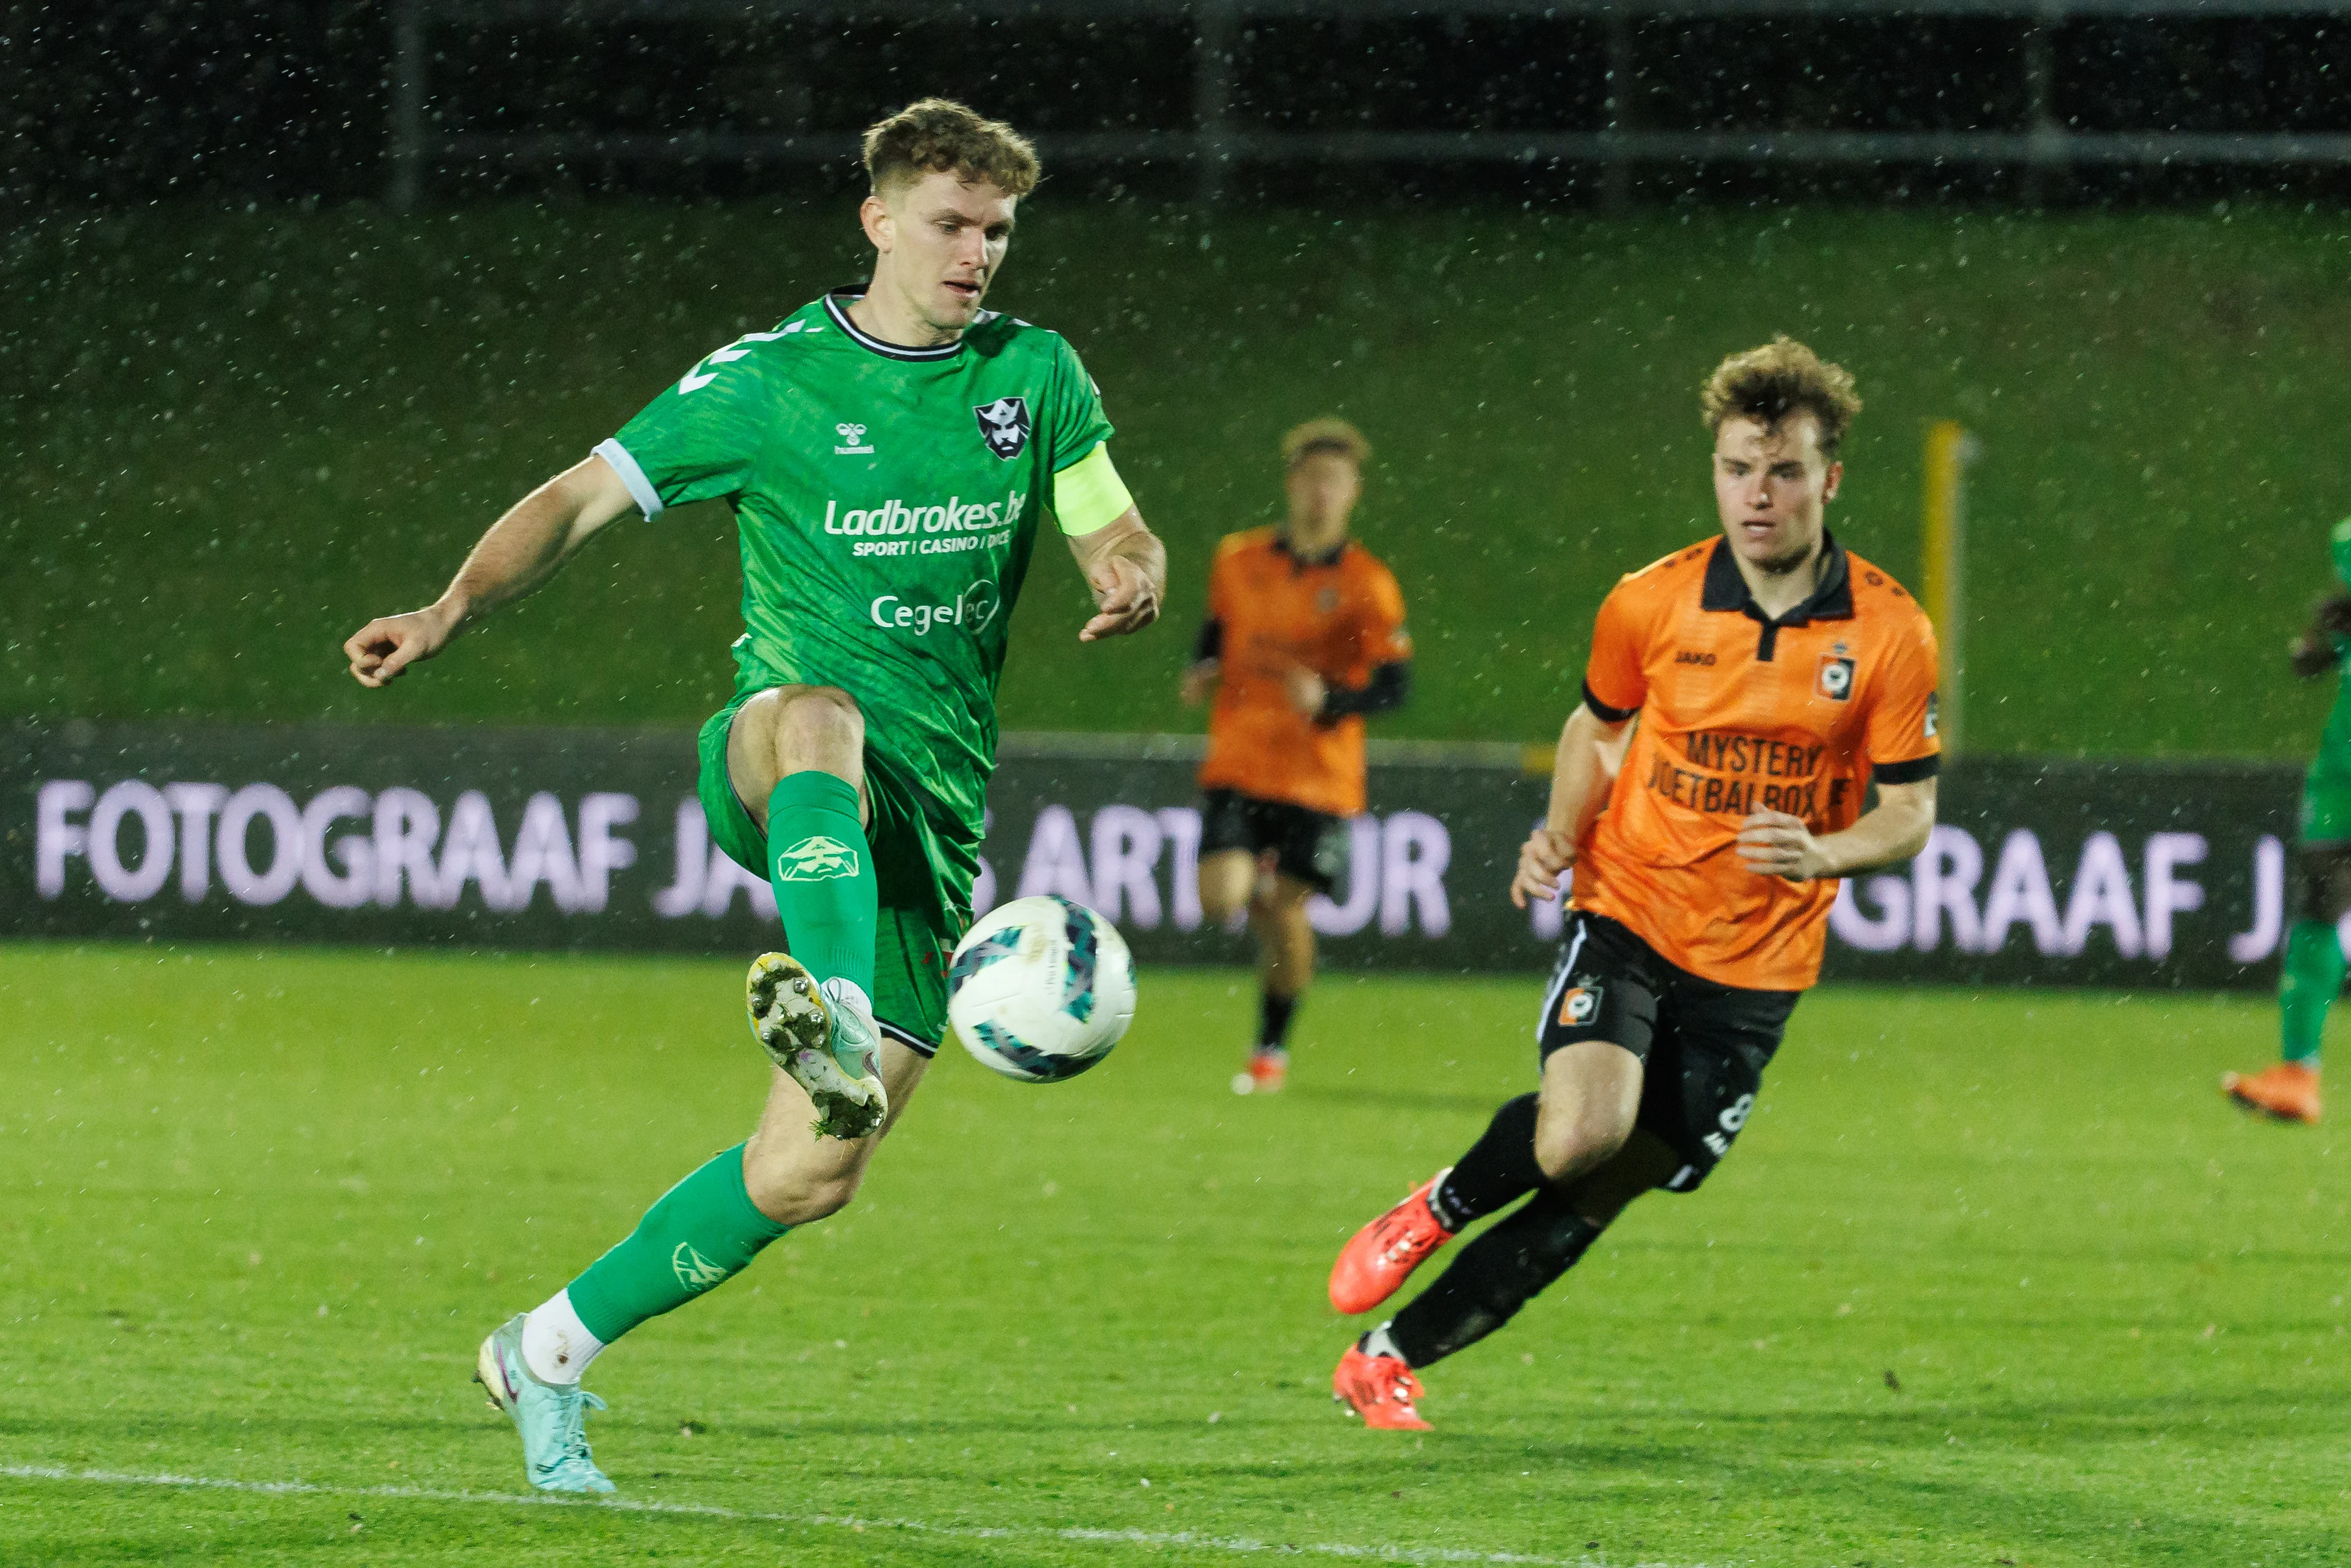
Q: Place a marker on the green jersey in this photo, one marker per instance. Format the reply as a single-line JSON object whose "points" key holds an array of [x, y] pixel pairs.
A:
{"points": [[887, 500], [2334, 760]]}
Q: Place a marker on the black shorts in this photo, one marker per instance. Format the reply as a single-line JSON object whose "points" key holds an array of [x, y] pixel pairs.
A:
{"points": [[1702, 1046], [1308, 846]]}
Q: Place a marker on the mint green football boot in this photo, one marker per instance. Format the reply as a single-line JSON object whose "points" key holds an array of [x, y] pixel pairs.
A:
{"points": [[825, 1038], [551, 1417]]}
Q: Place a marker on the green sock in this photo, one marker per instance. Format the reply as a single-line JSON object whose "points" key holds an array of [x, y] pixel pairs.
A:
{"points": [[702, 1231], [2312, 978], [822, 870]]}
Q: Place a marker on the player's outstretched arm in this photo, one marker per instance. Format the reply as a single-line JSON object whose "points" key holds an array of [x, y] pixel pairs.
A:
{"points": [[522, 550], [1773, 843], [1581, 774], [1127, 566]]}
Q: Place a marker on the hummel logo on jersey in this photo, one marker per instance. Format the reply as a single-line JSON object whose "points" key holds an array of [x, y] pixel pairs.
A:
{"points": [[695, 1271], [696, 379], [854, 435], [1004, 425], [817, 859]]}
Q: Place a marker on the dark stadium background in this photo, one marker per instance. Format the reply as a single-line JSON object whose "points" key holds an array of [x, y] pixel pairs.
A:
{"points": [[247, 405], [114, 105]]}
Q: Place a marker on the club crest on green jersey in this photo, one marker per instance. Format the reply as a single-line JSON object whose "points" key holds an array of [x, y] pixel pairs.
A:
{"points": [[1004, 425], [817, 859]]}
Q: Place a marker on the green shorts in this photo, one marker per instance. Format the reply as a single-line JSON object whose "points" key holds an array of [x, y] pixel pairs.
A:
{"points": [[922, 877], [2326, 807]]}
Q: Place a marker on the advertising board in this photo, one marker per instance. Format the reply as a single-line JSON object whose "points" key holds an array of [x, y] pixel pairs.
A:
{"points": [[2042, 873]]}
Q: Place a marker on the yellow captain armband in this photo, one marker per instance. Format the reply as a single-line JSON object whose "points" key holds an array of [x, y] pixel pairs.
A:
{"points": [[1089, 494]]}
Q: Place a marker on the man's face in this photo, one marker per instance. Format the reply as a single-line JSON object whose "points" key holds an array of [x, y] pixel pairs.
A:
{"points": [[1770, 487], [1322, 487], [939, 241]]}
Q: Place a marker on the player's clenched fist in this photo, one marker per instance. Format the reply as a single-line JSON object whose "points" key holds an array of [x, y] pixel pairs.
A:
{"points": [[1124, 593], [1541, 859], [379, 650]]}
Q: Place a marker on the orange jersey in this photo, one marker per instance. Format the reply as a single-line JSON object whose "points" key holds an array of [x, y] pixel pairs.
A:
{"points": [[1740, 714], [1340, 618]]}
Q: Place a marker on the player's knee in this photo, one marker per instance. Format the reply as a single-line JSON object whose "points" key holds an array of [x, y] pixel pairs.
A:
{"points": [[1571, 1140], [818, 723], [1225, 879], [1279, 901]]}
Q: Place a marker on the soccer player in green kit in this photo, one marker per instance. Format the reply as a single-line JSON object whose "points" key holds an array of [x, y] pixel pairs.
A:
{"points": [[888, 451], [2321, 893]]}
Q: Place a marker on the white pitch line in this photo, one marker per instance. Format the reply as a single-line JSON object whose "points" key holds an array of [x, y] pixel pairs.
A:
{"points": [[1102, 1537]]}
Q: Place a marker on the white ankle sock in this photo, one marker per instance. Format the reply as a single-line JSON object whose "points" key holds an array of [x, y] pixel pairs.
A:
{"points": [[555, 1343], [1379, 1341]]}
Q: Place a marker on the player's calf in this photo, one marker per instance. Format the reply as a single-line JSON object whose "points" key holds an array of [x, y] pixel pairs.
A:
{"points": [[1494, 1276]]}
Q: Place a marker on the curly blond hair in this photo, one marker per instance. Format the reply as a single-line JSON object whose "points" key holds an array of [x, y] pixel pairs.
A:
{"points": [[940, 136], [1325, 436], [1782, 378]]}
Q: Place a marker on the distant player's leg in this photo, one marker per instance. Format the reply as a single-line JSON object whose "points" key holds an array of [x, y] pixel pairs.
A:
{"points": [[2312, 975], [1233, 847], [796, 762], [1285, 950], [1310, 852]]}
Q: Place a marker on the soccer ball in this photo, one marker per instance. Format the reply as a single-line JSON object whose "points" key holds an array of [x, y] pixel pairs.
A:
{"points": [[1040, 989]]}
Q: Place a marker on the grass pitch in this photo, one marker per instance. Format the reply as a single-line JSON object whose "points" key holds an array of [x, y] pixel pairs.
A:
{"points": [[1989, 1279]]}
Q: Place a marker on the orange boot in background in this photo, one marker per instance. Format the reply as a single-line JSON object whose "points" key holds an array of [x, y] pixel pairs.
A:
{"points": [[2288, 1091]]}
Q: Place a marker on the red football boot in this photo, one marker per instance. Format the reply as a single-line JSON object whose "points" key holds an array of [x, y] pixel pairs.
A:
{"points": [[2288, 1091], [1379, 1388], [1383, 1254], [1267, 1069]]}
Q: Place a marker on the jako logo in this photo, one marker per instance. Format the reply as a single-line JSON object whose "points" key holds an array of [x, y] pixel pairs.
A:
{"points": [[972, 611], [1686, 657], [894, 516]]}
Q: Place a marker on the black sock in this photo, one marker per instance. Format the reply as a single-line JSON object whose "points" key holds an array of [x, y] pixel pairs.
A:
{"points": [[1274, 1014], [1491, 1279], [1499, 1170]]}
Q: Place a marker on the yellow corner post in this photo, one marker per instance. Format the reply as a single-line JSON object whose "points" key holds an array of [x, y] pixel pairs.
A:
{"points": [[1949, 450]]}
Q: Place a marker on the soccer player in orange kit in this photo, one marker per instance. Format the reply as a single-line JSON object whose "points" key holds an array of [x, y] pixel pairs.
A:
{"points": [[1304, 640], [1774, 676]]}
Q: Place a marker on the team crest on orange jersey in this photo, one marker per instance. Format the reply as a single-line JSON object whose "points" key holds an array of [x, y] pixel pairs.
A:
{"points": [[1835, 681], [1580, 1005]]}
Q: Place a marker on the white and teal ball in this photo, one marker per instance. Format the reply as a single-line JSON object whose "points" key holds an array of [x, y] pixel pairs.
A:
{"points": [[1040, 989]]}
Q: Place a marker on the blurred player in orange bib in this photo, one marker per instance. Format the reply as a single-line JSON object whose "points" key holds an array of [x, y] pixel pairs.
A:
{"points": [[1771, 676], [1304, 639]]}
